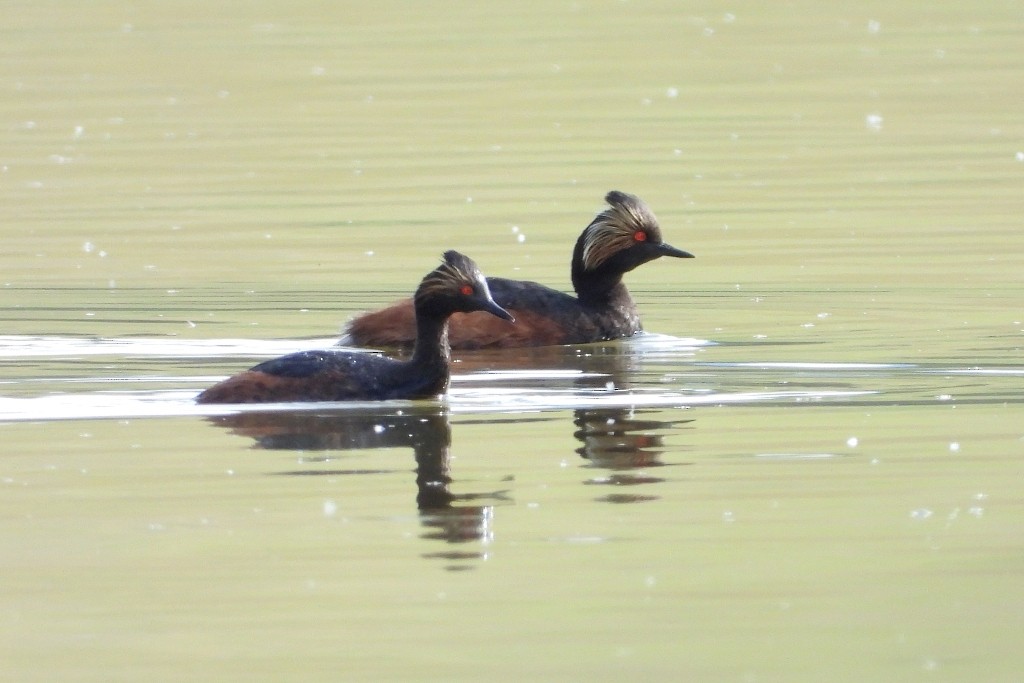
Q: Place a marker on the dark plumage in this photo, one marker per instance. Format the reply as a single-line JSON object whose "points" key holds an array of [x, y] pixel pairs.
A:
{"points": [[457, 285], [618, 240]]}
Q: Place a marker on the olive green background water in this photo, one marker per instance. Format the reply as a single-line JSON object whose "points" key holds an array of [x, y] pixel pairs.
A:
{"points": [[830, 491]]}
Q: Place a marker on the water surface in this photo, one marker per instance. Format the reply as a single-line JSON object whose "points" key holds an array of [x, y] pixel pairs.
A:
{"points": [[809, 469]]}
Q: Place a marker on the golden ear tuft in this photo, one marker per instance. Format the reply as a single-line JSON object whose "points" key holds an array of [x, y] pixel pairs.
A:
{"points": [[456, 273], [628, 220]]}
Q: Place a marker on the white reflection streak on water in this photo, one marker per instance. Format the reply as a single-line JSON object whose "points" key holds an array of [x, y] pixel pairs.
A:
{"points": [[477, 392], [120, 405]]}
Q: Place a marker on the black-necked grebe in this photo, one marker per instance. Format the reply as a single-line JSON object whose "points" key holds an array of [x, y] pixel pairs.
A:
{"points": [[618, 240], [457, 285]]}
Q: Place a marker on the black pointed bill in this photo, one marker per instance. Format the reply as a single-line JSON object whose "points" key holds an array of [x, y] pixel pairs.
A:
{"points": [[668, 250], [495, 309]]}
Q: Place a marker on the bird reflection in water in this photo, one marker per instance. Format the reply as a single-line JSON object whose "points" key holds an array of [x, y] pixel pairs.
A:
{"points": [[625, 441], [447, 517], [617, 440]]}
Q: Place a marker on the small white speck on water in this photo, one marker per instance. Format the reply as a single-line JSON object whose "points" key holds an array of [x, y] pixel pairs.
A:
{"points": [[378, 429], [330, 508], [874, 122], [672, 92], [852, 442], [954, 446], [520, 238], [874, 27], [921, 514]]}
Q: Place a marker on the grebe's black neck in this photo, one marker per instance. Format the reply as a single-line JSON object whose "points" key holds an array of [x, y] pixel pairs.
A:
{"points": [[600, 287], [431, 349]]}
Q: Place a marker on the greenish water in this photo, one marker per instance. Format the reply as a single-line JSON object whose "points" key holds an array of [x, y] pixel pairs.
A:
{"points": [[809, 471]]}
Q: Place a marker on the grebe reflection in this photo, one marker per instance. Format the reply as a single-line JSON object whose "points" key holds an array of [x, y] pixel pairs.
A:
{"points": [[449, 517]]}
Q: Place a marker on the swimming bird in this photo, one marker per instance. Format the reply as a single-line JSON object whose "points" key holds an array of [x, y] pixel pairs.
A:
{"points": [[457, 285], [620, 238]]}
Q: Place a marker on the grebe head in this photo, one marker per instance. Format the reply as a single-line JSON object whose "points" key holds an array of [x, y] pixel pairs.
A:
{"points": [[456, 286], [621, 237]]}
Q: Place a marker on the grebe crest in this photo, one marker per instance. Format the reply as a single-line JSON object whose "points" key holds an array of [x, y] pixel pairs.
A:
{"points": [[627, 221], [457, 280]]}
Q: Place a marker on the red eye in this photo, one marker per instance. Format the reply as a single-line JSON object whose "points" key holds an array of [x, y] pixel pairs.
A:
{"points": [[466, 290], [640, 236]]}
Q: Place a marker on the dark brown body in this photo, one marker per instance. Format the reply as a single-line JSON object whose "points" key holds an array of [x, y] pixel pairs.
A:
{"points": [[618, 240], [332, 376], [544, 317]]}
